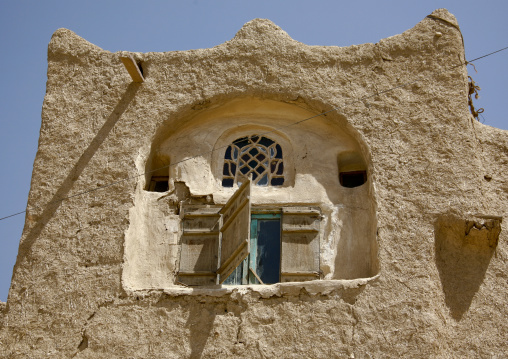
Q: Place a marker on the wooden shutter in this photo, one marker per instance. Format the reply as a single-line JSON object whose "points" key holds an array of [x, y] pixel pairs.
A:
{"points": [[235, 231], [300, 244], [199, 244]]}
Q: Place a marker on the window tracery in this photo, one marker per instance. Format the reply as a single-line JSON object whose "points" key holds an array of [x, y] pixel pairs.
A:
{"points": [[256, 155]]}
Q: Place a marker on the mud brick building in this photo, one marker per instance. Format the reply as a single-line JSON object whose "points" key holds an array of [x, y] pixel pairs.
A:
{"points": [[282, 200]]}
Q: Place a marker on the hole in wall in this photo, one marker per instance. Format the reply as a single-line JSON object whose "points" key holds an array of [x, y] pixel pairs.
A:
{"points": [[157, 173], [352, 179], [159, 184], [352, 169]]}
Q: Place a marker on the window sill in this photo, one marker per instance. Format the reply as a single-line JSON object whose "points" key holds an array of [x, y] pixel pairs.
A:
{"points": [[315, 287]]}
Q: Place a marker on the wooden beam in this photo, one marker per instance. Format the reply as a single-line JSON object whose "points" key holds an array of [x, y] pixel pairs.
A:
{"points": [[132, 68], [256, 275], [198, 273]]}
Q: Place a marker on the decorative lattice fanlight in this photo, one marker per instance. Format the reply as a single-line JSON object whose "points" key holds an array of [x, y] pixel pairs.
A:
{"points": [[256, 155]]}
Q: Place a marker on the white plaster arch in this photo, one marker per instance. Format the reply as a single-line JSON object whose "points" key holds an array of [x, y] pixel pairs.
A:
{"points": [[196, 143]]}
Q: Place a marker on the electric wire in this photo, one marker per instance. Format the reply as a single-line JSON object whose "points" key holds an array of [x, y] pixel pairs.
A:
{"points": [[492, 53], [483, 117], [353, 101]]}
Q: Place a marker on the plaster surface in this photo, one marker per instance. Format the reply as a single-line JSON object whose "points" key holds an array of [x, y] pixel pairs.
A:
{"points": [[437, 188]]}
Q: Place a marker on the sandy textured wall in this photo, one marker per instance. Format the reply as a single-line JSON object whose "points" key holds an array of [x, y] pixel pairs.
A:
{"points": [[440, 184]]}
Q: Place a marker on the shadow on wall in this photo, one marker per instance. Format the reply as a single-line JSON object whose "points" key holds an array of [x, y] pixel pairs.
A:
{"points": [[200, 323], [463, 249], [213, 327], [66, 186]]}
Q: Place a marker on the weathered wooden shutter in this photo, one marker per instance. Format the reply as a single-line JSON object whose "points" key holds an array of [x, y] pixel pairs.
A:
{"points": [[199, 244], [300, 244], [235, 231]]}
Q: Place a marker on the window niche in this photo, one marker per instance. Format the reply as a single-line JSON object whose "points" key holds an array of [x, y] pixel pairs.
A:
{"points": [[352, 169], [157, 177], [174, 240]]}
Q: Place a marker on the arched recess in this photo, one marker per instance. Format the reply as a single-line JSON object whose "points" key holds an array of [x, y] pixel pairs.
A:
{"points": [[316, 152]]}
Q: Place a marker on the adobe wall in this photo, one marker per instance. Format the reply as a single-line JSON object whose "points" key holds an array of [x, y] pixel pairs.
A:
{"points": [[439, 179]]}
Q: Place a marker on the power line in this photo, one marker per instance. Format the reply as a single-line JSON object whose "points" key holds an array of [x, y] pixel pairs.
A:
{"points": [[265, 133], [12, 215], [215, 149], [492, 53]]}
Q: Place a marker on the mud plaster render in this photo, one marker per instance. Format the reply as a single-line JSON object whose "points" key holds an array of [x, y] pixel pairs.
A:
{"points": [[437, 184]]}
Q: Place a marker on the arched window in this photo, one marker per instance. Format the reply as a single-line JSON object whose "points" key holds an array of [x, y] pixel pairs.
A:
{"points": [[256, 155]]}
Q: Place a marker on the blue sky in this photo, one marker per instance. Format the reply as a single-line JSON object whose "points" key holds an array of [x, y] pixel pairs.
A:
{"points": [[145, 26]]}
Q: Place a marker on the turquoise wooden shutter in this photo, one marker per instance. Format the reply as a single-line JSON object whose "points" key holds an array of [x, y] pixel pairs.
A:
{"points": [[300, 244], [234, 231], [199, 251]]}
